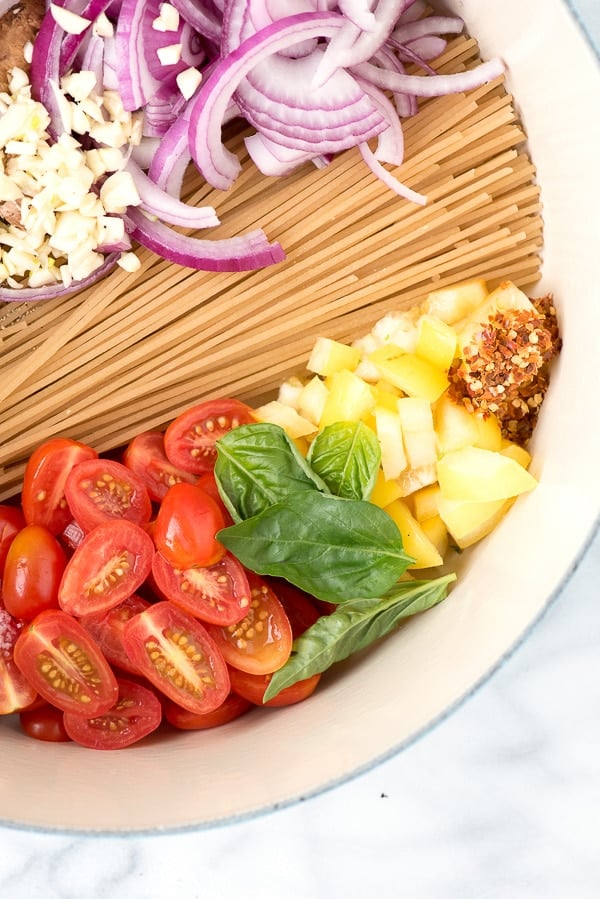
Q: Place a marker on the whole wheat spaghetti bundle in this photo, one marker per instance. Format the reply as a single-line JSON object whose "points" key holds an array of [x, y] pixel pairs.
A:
{"points": [[133, 351]]}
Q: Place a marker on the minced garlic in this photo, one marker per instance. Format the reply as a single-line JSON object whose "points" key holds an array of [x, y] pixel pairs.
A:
{"points": [[58, 202]]}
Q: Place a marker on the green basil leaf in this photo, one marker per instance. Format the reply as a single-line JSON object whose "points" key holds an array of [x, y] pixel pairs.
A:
{"points": [[354, 626], [346, 455], [257, 466], [333, 548]]}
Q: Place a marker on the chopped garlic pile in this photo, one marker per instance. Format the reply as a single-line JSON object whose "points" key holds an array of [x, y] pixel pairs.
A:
{"points": [[61, 205]]}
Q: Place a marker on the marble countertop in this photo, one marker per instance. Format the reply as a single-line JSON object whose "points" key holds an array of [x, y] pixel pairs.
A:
{"points": [[500, 801]]}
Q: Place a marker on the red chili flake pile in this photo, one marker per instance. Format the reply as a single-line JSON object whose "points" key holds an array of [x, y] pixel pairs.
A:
{"points": [[508, 370]]}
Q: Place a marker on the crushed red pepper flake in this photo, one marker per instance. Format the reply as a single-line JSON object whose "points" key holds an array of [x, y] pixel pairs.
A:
{"points": [[507, 371]]}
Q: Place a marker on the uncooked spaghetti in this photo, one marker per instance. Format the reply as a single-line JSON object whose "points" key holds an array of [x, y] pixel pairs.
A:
{"points": [[133, 351]]}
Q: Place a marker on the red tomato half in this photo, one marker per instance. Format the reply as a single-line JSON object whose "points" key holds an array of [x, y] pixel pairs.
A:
{"points": [[66, 667], [32, 572], [298, 605], [11, 522], [15, 690], [219, 594], [186, 525], [109, 565], [190, 439], [233, 707], [104, 490], [44, 723], [176, 654], [145, 456], [107, 630], [136, 713], [43, 497], [262, 641], [252, 687]]}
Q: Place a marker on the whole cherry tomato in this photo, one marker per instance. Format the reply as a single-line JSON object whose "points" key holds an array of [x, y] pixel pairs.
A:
{"points": [[186, 525], [34, 566]]}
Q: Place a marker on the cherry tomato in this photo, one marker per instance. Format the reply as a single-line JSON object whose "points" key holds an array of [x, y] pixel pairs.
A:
{"points": [[298, 605], [109, 565], [32, 572], [15, 690], [145, 455], [104, 490], [175, 652], [44, 723], [107, 630], [233, 707], [136, 713], [11, 522], [186, 525], [207, 482], [262, 641], [190, 439], [252, 687], [219, 594], [64, 664], [43, 497]]}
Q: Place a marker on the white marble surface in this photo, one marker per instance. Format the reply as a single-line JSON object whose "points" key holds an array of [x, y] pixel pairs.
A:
{"points": [[501, 801]]}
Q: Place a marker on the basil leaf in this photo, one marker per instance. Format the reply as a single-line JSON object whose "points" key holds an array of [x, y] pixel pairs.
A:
{"points": [[257, 466], [354, 626], [332, 548], [346, 455]]}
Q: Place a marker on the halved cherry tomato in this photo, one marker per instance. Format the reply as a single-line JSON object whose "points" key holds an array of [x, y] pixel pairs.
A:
{"points": [[262, 641], [186, 525], [44, 723], [219, 594], [136, 713], [107, 630], [233, 707], [32, 572], [298, 605], [175, 652], [64, 664], [252, 687], [15, 690], [104, 490], [145, 455], [11, 522], [109, 565], [190, 439], [43, 497]]}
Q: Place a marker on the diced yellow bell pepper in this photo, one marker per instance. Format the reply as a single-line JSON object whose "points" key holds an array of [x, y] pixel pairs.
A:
{"points": [[417, 431], [414, 376], [454, 426], [287, 418], [384, 492], [516, 452], [312, 398], [436, 342], [436, 531], [451, 304], [469, 522], [388, 428], [426, 501], [489, 435], [349, 399], [414, 539], [413, 479], [478, 475], [330, 356]]}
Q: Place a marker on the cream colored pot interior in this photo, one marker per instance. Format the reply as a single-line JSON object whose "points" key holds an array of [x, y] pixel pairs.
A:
{"points": [[373, 707]]}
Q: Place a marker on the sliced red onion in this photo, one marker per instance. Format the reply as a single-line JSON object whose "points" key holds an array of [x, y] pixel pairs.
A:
{"points": [[409, 31], [202, 19], [269, 157], [172, 157], [45, 67], [72, 42], [218, 165], [157, 202], [390, 142], [431, 85], [93, 58], [234, 254], [136, 82], [53, 291], [388, 179], [360, 13]]}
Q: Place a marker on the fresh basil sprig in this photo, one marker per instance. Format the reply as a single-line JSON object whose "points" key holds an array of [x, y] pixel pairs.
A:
{"points": [[354, 626], [333, 548], [257, 466], [346, 455]]}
